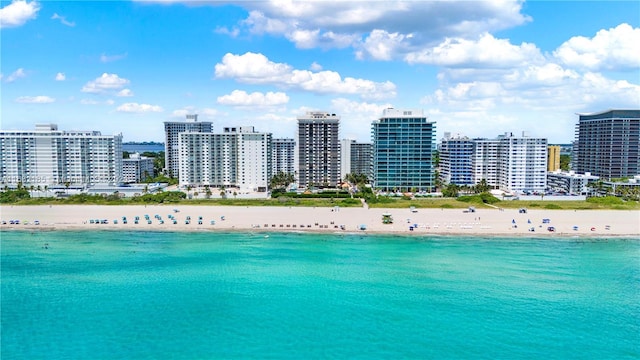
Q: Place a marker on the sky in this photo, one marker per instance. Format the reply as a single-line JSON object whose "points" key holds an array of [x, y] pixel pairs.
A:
{"points": [[475, 68]]}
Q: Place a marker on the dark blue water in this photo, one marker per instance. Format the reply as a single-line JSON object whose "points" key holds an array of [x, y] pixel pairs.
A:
{"points": [[140, 148], [118, 295]]}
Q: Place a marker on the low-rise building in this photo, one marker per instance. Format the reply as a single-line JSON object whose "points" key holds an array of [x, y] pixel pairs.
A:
{"points": [[570, 182], [137, 168]]}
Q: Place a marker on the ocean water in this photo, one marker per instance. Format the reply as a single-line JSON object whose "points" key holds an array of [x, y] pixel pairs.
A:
{"points": [[137, 295]]}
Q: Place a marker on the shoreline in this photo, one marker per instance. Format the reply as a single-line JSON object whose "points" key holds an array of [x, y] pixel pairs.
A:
{"points": [[482, 222]]}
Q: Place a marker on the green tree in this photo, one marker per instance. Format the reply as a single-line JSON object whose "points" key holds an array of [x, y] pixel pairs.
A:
{"points": [[281, 180], [451, 190], [481, 187], [565, 159]]}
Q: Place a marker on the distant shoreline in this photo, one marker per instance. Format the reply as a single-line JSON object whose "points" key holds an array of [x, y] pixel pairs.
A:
{"points": [[482, 222]]}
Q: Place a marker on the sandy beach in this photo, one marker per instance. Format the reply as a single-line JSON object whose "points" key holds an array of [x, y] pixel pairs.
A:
{"points": [[484, 221]]}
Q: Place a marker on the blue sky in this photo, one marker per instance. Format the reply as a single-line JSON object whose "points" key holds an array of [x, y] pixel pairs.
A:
{"points": [[478, 68]]}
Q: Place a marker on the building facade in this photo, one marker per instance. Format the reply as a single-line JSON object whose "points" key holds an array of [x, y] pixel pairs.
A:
{"points": [[484, 162], [283, 156], [318, 149], [48, 156], [608, 144], [403, 151], [137, 168], [553, 157], [172, 131], [456, 160], [239, 157], [522, 163], [570, 182], [355, 158], [254, 159]]}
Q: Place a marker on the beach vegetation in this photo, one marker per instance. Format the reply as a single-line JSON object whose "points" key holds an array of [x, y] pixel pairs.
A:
{"points": [[12, 196], [483, 198], [281, 180], [553, 206], [606, 200]]}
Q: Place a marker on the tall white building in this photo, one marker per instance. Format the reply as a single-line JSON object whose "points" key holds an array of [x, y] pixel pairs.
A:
{"points": [[522, 163], [172, 131], [47, 156], [254, 159], [283, 156], [137, 168], [484, 162], [318, 149], [239, 157]]}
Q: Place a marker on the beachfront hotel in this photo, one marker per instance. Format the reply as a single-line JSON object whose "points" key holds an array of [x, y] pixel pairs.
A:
{"points": [[403, 151], [283, 152], [456, 159], [238, 157], [48, 157], [355, 157], [318, 149], [172, 130], [608, 144]]}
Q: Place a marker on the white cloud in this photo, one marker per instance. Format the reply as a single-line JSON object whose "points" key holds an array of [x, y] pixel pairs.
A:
{"points": [[63, 20], [255, 68], [105, 83], [125, 93], [315, 66], [373, 28], [381, 45], [486, 51], [61, 77], [41, 99], [614, 49], [138, 108], [110, 58], [356, 117], [18, 13], [19, 73], [258, 99]]}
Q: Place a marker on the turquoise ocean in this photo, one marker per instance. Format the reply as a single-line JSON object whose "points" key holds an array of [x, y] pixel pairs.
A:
{"points": [[210, 295]]}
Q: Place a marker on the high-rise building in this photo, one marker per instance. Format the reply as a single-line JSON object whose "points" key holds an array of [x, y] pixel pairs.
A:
{"points": [[456, 160], [522, 163], [283, 156], [553, 158], [254, 158], [48, 156], [318, 149], [239, 157], [137, 168], [355, 158], [485, 161], [608, 144], [172, 130], [403, 151]]}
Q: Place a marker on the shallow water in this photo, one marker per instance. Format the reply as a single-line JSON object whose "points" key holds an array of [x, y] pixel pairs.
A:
{"points": [[106, 295]]}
